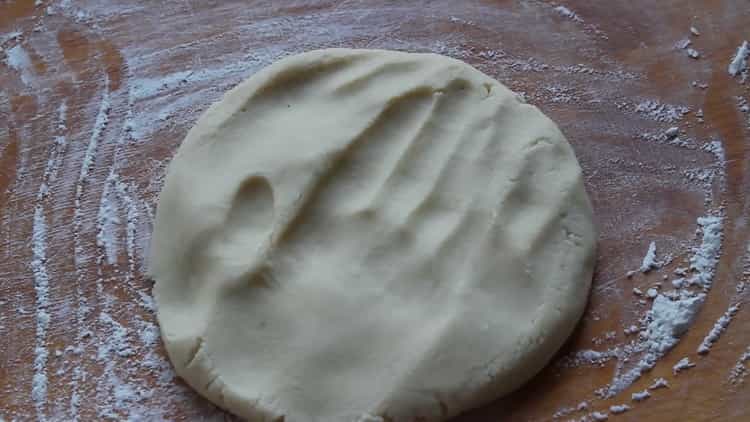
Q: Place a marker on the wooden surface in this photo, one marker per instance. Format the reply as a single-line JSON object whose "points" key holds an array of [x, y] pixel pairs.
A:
{"points": [[95, 97]]}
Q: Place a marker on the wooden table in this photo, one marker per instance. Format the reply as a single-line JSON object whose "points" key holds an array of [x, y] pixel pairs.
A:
{"points": [[95, 97]]}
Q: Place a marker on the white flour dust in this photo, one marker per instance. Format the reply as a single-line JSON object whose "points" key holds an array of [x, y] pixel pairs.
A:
{"points": [[739, 371], [672, 312], [719, 327], [616, 409], [666, 322], [649, 261], [739, 62], [564, 11], [102, 118], [599, 416], [18, 59], [640, 396], [109, 221], [659, 383], [706, 256], [38, 265], [682, 365], [660, 112]]}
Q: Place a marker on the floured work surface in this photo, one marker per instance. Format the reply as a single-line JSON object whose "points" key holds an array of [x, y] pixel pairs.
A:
{"points": [[94, 100]]}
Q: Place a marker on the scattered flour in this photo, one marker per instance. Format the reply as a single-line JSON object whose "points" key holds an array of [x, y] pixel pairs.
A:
{"points": [[683, 43], [682, 365], [102, 118], [719, 327], [739, 371], [716, 148], [739, 62], [79, 252], [618, 408], [706, 256], [599, 416], [108, 220], [13, 35], [562, 412], [588, 357], [19, 60], [659, 112], [631, 330], [640, 395], [658, 383], [649, 261], [672, 132], [564, 11], [39, 267], [742, 104], [667, 321]]}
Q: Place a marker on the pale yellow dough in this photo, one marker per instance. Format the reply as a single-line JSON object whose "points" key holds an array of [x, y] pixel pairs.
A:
{"points": [[369, 235]]}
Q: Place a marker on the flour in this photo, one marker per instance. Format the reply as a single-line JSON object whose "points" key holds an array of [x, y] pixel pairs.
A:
{"points": [[719, 327], [19, 60], [599, 416], [557, 94], [588, 357], [83, 309], [102, 118], [168, 103], [667, 321], [108, 221], [739, 371], [658, 383], [649, 261], [13, 35], [618, 408], [117, 342], [41, 286], [716, 148], [640, 396], [742, 105], [565, 411], [659, 112], [132, 214], [683, 44], [682, 365], [564, 11], [739, 62], [672, 132], [706, 256], [631, 330], [39, 267]]}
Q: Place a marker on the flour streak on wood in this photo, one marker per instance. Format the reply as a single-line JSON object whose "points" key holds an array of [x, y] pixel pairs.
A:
{"points": [[98, 94]]}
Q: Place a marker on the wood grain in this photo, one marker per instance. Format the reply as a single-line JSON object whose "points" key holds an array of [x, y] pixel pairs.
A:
{"points": [[105, 91]]}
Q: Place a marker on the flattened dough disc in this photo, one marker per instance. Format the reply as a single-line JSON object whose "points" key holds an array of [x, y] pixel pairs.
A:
{"points": [[357, 234]]}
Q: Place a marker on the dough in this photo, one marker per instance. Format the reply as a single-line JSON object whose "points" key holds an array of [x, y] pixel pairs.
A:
{"points": [[360, 235]]}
